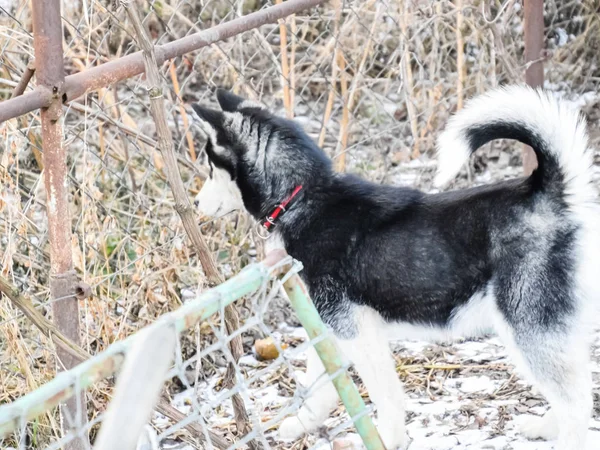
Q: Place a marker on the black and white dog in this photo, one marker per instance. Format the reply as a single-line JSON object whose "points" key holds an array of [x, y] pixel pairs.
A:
{"points": [[519, 258]]}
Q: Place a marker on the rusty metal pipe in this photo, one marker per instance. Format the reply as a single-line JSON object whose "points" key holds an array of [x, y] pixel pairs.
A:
{"points": [[128, 66], [50, 75], [23, 104], [534, 74]]}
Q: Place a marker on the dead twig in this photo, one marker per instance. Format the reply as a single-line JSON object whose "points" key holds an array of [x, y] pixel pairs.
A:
{"points": [[408, 79], [47, 328], [285, 67], [184, 209], [24, 81], [183, 113], [460, 55]]}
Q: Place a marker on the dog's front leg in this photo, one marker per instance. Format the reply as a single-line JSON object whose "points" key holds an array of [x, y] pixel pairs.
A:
{"points": [[317, 407], [370, 352]]}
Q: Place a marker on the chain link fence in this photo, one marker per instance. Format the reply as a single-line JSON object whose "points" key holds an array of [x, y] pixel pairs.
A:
{"points": [[196, 409], [372, 81]]}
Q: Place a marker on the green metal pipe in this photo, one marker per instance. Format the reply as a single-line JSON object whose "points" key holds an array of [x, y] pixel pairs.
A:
{"points": [[333, 362], [249, 280], [107, 363]]}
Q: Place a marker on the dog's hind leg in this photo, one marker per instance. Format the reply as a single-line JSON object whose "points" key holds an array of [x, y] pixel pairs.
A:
{"points": [[557, 363], [370, 352], [315, 410]]}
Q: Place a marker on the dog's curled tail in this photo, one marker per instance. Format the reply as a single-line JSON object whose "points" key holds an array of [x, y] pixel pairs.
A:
{"points": [[554, 129]]}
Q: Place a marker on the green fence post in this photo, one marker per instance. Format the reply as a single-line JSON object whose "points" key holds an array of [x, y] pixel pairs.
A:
{"points": [[333, 362]]}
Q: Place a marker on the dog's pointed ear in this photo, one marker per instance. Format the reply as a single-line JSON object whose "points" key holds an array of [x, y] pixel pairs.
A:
{"points": [[212, 122], [229, 101], [213, 117]]}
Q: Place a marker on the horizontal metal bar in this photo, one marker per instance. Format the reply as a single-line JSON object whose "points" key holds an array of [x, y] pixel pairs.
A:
{"points": [[128, 66], [107, 363], [40, 97]]}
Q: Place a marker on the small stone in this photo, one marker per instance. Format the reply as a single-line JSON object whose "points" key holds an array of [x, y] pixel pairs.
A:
{"points": [[266, 349]]}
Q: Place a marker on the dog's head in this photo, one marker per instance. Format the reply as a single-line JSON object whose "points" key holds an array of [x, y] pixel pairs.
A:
{"points": [[256, 158]]}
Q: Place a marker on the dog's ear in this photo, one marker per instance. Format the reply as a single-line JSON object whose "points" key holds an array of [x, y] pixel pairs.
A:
{"points": [[229, 101], [212, 122]]}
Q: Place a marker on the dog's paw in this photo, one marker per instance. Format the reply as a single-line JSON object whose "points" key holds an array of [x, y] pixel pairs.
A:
{"points": [[394, 437], [535, 427], [291, 428]]}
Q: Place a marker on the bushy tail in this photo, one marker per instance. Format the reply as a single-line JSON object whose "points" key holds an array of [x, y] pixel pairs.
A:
{"points": [[554, 129]]}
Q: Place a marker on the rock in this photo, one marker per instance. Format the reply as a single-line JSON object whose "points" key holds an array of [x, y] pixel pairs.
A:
{"points": [[266, 349]]}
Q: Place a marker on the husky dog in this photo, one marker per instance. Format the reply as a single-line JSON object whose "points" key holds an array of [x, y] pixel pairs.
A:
{"points": [[519, 258]]}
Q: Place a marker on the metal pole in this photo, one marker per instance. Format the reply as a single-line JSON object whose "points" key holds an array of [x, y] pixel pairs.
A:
{"points": [[534, 74], [47, 33], [333, 362]]}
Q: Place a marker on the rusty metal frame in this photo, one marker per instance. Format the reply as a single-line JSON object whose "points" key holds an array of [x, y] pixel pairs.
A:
{"points": [[534, 72], [128, 66], [50, 74], [52, 91]]}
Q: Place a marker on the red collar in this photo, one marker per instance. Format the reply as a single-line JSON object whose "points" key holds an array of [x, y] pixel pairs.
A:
{"points": [[269, 222]]}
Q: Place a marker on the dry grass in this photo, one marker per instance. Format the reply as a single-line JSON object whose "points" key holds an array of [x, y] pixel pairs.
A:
{"points": [[373, 82]]}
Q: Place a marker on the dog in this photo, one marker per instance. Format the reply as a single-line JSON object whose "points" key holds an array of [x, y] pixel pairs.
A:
{"points": [[518, 258]]}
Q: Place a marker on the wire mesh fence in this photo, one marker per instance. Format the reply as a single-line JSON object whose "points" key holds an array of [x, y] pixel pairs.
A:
{"points": [[193, 375], [372, 81]]}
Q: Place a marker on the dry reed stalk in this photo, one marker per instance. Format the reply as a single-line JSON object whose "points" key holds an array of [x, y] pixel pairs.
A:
{"points": [[334, 70], [124, 142], [407, 76], [136, 134], [17, 345], [184, 116], [343, 139], [363, 61], [349, 96], [236, 82], [285, 68], [434, 98], [294, 30], [102, 146], [492, 76], [460, 56], [434, 55], [509, 64], [110, 99], [330, 98], [185, 211], [107, 97]]}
